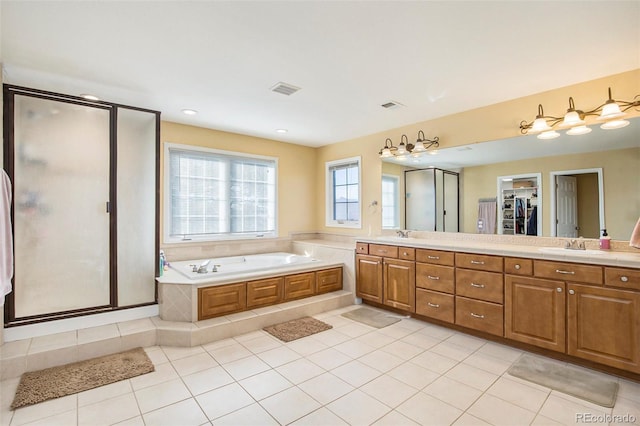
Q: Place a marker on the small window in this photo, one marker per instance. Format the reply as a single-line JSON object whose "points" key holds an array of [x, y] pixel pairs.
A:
{"points": [[211, 194], [390, 202], [343, 193]]}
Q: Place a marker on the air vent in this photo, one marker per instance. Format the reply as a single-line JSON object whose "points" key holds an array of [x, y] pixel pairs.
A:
{"points": [[285, 89], [391, 105]]}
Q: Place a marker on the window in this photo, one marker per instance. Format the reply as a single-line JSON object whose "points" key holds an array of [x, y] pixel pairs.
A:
{"points": [[390, 198], [214, 194], [343, 193]]}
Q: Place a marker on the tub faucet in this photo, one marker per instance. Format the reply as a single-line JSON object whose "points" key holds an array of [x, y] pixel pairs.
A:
{"points": [[403, 234], [202, 269]]}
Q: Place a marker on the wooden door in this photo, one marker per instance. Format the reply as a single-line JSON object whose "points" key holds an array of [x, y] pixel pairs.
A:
{"points": [[604, 326], [566, 206], [400, 284], [369, 277], [535, 311]]}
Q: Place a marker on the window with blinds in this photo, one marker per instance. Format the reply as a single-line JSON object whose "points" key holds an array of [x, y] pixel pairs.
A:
{"points": [[217, 195], [343, 192]]}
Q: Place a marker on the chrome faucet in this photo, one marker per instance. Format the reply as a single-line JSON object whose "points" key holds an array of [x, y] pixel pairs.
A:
{"points": [[403, 234], [574, 245], [202, 269]]}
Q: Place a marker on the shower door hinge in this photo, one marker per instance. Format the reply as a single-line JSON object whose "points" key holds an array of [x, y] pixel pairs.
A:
{"points": [[108, 207]]}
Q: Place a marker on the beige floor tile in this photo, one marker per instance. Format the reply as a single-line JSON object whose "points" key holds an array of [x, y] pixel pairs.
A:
{"points": [[299, 371], [224, 400], [134, 421], [420, 340], [518, 393], [375, 339], [194, 363], [466, 341], [229, 353], [381, 360], [626, 411], [219, 344], [68, 418], [14, 349], [154, 397], [101, 393], [488, 363], [427, 410], [8, 389], [499, 412], [354, 330], [279, 356], [156, 355], [356, 373], [411, 324], [329, 358], [45, 409], [289, 405], [163, 373], [388, 390], [94, 334], [183, 413], [402, 350], [261, 344], [541, 420], [331, 337], [468, 420], [629, 390], [251, 415], [395, 331], [431, 361], [320, 417], [436, 331], [503, 352], [109, 411], [472, 376], [581, 402], [393, 418], [306, 346], [326, 388], [413, 375], [336, 321], [354, 349], [207, 380], [175, 352], [265, 384], [53, 341], [358, 408], [450, 350], [453, 393], [246, 367]]}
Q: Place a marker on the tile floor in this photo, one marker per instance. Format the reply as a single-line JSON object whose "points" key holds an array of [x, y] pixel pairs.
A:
{"points": [[409, 373]]}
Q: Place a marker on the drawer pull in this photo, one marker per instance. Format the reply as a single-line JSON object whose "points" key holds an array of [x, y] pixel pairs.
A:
{"points": [[476, 262], [560, 271], [432, 277], [477, 315], [433, 305], [559, 289], [517, 267], [433, 257], [624, 279], [404, 253], [572, 292], [477, 285]]}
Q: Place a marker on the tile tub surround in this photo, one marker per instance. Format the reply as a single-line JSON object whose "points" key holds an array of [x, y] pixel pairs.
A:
{"points": [[52, 350], [409, 373]]}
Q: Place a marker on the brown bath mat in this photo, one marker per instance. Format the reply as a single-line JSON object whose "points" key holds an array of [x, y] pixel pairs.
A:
{"points": [[54, 382], [296, 329], [566, 379], [373, 318]]}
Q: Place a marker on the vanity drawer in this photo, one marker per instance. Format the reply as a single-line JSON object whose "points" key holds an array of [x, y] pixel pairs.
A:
{"points": [[436, 257], [479, 315], [481, 285], [362, 248], [479, 262], [435, 305], [518, 266], [384, 251], [572, 272], [435, 277], [407, 253], [621, 277]]}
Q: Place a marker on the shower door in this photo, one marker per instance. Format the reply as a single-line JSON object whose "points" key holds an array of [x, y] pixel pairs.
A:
{"points": [[61, 177]]}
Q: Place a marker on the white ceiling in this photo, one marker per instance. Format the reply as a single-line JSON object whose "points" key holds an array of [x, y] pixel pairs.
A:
{"points": [[349, 57]]}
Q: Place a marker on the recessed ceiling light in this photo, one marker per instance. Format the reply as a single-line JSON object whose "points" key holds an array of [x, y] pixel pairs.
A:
{"points": [[281, 130], [187, 111], [90, 97]]}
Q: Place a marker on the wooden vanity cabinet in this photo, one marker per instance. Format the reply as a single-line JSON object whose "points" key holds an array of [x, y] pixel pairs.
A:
{"points": [[369, 277], [435, 284], [534, 311], [399, 282]]}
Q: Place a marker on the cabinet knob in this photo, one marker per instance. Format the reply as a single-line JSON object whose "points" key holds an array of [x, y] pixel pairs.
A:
{"points": [[517, 267], [624, 279], [559, 289], [433, 305], [572, 292]]}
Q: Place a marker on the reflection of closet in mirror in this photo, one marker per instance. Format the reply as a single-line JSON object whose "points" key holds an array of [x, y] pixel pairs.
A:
{"points": [[520, 204], [577, 206], [432, 200]]}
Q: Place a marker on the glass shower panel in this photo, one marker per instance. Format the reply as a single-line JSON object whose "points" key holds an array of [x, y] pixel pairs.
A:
{"points": [[420, 200], [136, 207], [439, 199], [61, 187], [451, 202]]}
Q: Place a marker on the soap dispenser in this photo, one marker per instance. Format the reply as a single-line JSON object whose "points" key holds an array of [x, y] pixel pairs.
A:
{"points": [[605, 241]]}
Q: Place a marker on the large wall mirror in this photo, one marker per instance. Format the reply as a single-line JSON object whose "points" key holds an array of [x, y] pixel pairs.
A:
{"points": [[613, 154]]}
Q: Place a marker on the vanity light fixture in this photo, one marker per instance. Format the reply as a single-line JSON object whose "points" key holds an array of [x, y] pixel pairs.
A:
{"points": [[90, 97], [610, 112], [406, 149], [188, 111], [281, 130]]}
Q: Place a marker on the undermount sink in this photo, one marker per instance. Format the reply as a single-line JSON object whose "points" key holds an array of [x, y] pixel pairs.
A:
{"points": [[570, 252]]}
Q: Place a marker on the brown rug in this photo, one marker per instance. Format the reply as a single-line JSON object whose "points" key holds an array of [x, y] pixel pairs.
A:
{"points": [[296, 329], [54, 382]]}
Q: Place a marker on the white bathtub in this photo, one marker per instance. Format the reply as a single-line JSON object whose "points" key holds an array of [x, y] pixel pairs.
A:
{"points": [[225, 266]]}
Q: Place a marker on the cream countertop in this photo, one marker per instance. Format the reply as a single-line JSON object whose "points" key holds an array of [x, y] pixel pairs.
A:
{"points": [[610, 258]]}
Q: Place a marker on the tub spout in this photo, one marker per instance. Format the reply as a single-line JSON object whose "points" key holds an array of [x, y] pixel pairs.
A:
{"points": [[202, 269]]}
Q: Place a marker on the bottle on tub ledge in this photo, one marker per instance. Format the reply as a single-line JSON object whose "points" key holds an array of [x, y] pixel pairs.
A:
{"points": [[605, 241], [164, 265]]}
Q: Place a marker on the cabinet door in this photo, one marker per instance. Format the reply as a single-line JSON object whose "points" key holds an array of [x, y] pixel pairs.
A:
{"points": [[369, 277], [604, 326], [220, 300], [535, 312], [400, 284], [329, 280], [264, 292], [299, 285]]}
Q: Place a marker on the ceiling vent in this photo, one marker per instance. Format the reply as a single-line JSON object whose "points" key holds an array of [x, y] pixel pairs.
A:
{"points": [[285, 89], [391, 105]]}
